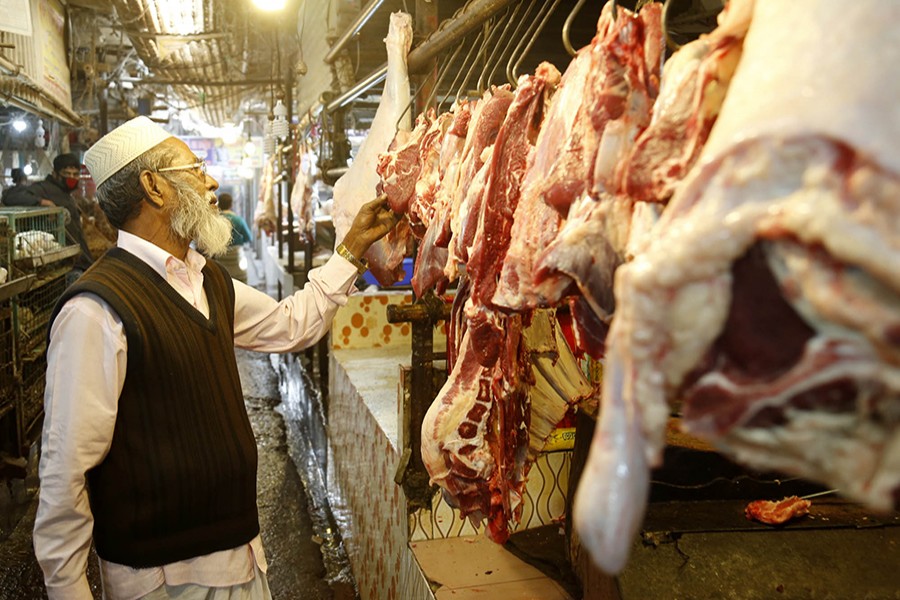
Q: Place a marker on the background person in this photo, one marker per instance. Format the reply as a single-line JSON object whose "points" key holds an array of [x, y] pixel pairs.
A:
{"points": [[147, 448], [19, 194], [240, 235], [57, 187]]}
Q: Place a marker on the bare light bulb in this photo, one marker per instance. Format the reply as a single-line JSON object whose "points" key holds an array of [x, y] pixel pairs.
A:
{"points": [[39, 140], [269, 5]]}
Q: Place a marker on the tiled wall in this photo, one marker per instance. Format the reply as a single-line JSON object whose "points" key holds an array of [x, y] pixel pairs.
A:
{"points": [[371, 508], [363, 323], [544, 503]]}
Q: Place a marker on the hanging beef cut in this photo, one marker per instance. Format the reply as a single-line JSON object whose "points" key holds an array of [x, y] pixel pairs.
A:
{"points": [[359, 184], [766, 303]]}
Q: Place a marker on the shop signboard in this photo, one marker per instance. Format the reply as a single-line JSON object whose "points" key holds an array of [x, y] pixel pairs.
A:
{"points": [[54, 68], [15, 17]]}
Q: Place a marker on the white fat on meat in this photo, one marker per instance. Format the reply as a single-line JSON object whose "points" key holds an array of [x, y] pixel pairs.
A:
{"points": [[359, 184], [797, 186], [536, 224]]}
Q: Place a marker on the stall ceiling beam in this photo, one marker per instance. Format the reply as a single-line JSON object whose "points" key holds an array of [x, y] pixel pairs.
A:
{"points": [[453, 30], [364, 15], [204, 83]]}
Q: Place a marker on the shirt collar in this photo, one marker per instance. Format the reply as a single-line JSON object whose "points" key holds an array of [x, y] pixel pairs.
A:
{"points": [[156, 257]]}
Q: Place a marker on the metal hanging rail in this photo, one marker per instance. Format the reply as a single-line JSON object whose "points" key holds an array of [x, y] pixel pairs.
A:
{"points": [[452, 30], [373, 79], [468, 18], [364, 15]]}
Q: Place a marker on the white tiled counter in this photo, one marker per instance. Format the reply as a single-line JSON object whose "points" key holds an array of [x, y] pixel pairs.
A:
{"points": [[363, 454]]}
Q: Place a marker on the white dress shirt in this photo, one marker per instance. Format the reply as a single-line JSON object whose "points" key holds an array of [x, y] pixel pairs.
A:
{"points": [[86, 365]]}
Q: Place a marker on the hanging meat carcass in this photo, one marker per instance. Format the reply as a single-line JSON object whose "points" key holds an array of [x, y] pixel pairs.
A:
{"points": [[302, 191], [622, 82], [694, 83], [399, 167], [535, 223], [359, 184], [487, 117], [475, 436], [442, 185], [505, 170], [767, 300], [487, 424], [264, 215]]}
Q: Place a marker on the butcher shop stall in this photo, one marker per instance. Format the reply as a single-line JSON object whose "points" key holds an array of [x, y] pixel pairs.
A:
{"points": [[636, 334]]}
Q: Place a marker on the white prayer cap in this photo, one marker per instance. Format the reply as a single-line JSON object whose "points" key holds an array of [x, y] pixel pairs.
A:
{"points": [[121, 146]]}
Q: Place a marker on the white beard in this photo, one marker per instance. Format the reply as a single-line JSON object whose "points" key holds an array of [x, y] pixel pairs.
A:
{"points": [[195, 218]]}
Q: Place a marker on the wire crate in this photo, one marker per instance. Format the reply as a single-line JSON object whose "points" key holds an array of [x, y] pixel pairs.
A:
{"points": [[32, 314], [7, 353], [32, 237], [31, 396]]}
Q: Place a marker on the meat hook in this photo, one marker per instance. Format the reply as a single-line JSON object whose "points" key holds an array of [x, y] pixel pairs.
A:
{"points": [[670, 43], [469, 55], [511, 75], [441, 73], [532, 24], [492, 28], [568, 25], [511, 15], [514, 38]]}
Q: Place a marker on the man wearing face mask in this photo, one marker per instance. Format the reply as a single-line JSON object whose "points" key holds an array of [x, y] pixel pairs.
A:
{"points": [[57, 188]]}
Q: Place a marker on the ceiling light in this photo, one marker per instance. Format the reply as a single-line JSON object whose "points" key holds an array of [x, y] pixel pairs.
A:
{"points": [[39, 133], [19, 125], [269, 5]]}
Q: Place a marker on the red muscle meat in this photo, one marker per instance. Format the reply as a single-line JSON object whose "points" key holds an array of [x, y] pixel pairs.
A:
{"points": [[777, 513]]}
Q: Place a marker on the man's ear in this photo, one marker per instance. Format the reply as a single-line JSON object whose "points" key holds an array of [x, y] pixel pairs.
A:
{"points": [[152, 185]]}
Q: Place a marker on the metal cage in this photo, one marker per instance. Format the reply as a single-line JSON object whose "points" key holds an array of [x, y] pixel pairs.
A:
{"points": [[31, 238]]}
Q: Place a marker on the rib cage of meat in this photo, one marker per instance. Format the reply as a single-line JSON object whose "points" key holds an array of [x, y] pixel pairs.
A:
{"points": [[768, 298]]}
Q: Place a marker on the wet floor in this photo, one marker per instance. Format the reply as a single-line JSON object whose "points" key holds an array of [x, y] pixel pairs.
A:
{"points": [[296, 568]]}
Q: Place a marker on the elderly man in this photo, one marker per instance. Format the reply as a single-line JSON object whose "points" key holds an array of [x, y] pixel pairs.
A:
{"points": [[147, 448]]}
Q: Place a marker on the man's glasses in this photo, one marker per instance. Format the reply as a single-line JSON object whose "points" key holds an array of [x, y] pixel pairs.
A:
{"points": [[198, 168]]}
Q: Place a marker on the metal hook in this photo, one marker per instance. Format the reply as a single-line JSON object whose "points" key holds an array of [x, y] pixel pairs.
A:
{"points": [[568, 25], [440, 78], [534, 36], [465, 80], [493, 27], [461, 68], [529, 31], [513, 38], [510, 17], [670, 43]]}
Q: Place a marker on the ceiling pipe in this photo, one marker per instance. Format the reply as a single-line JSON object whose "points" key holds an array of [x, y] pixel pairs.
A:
{"points": [[451, 31], [454, 29], [361, 19], [374, 78]]}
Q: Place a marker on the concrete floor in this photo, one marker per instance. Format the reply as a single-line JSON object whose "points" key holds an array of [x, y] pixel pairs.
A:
{"points": [[295, 560]]}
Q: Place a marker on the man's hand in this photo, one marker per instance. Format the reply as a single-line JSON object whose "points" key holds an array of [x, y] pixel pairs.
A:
{"points": [[373, 221], [45, 202]]}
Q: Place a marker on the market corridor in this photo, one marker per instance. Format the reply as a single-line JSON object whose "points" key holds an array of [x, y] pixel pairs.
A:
{"points": [[295, 560]]}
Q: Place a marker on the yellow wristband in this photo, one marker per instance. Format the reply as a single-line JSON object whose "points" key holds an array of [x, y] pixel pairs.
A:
{"points": [[361, 265]]}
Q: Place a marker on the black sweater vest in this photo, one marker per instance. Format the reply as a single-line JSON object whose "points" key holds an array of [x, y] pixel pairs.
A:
{"points": [[180, 477]]}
